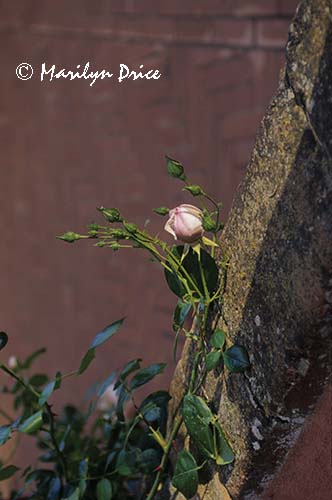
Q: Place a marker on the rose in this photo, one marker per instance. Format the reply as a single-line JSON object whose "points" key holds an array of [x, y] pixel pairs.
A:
{"points": [[185, 223]]}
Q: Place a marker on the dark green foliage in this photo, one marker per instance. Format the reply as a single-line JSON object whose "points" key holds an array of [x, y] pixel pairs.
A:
{"points": [[106, 334], [7, 472], [185, 477], [109, 457], [218, 339], [236, 358], [212, 360], [190, 263], [180, 314], [144, 375], [205, 431]]}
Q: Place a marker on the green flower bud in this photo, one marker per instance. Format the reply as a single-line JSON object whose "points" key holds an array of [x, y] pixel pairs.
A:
{"points": [[131, 228], [110, 214], [161, 211], [93, 233], [70, 237], [100, 244], [194, 189], [119, 234], [208, 223], [93, 226], [114, 246], [175, 169]]}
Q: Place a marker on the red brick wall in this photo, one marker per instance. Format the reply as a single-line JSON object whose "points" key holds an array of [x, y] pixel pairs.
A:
{"points": [[67, 147]]}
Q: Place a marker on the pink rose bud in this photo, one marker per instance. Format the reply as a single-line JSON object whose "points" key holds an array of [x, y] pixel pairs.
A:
{"points": [[185, 223]]}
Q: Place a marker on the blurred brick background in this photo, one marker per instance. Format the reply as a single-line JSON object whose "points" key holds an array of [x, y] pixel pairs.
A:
{"points": [[67, 147]]}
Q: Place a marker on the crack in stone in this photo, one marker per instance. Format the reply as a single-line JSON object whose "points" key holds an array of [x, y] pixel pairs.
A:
{"points": [[300, 100]]}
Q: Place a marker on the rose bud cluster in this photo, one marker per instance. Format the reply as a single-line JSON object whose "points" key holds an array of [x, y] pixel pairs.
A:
{"points": [[185, 223]]}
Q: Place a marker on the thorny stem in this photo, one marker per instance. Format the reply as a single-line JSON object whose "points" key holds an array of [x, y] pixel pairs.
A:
{"points": [[183, 270], [171, 257], [206, 291], [49, 411], [19, 380], [178, 424], [164, 459], [54, 441], [153, 251]]}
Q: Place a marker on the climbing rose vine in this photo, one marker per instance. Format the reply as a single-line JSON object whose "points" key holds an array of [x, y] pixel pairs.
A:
{"points": [[119, 448]]}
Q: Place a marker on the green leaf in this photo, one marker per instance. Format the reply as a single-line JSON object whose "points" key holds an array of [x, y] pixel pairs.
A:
{"points": [[126, 462], [75, 495], [172, 278], [106, 334], [161, 211], [130, 367], [175, 168], [86, 360], [54, 489], [181, 312], [46, 393], [150, 459], [58, 381], [236, 358], [185, 477], [159, 398], [174, 283], [38, 379], [224, 452], [191, 264], [210, 270], [3, 339], [7, 472], [194, 189], [146, 374], [197, 416], [195, 405], [151, 412], [218, 339], [104, 489], [32, 424], [5, 433], [212, 359], [123, 398]]}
